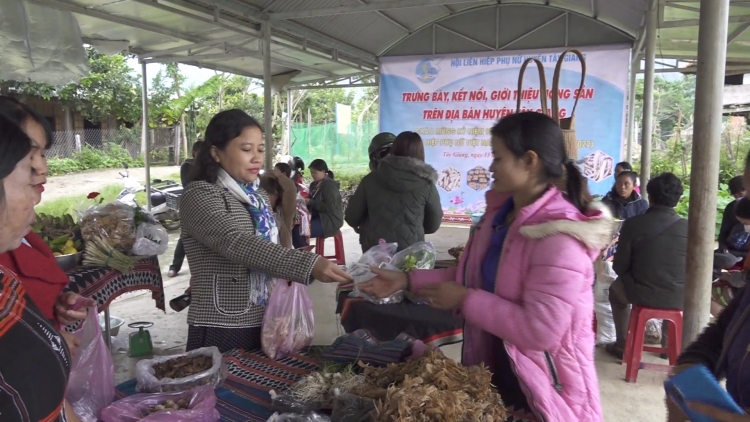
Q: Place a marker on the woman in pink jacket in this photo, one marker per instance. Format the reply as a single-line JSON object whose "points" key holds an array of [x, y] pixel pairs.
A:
{"points": [[524, 283]]}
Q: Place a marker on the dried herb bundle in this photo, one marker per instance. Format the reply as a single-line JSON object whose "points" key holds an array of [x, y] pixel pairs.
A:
{"points": [[432, 388], [183, 366], [100, 253]]}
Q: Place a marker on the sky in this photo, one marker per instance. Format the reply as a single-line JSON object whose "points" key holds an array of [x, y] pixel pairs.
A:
{"points": [[194, 75]]}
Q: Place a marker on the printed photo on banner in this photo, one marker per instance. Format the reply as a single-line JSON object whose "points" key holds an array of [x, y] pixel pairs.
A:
{"points": [[453, 100]]}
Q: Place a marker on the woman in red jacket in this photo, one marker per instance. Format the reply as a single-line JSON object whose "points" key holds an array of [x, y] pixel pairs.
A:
{"points": [[33, 262]]}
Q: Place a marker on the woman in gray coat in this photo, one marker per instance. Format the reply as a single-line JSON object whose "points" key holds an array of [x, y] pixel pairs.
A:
{"points": [[398, 202], [231, 239]]}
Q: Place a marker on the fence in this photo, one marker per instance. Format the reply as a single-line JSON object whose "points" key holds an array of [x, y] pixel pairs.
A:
{"points": [[338, 149], [67, 144]]}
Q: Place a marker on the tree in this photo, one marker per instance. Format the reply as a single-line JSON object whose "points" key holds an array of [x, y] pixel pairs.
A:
{"points": [[111, 89]]}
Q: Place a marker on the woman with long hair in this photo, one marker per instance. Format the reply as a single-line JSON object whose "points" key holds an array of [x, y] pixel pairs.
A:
{"points": [[324, 203], [523, 284], [398, 201], [232, 240]]}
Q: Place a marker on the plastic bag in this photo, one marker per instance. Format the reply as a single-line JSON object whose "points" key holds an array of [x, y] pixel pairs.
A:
{"points": [[289, 324], [112, 222], [285, 403], [351, 408], [605, 323], [91, 386], [150, 239], [202, 407], [293, 417], [148, 383], [419, 256]]}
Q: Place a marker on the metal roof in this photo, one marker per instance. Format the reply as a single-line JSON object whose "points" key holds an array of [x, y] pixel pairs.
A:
{"points": [[328, 40]]}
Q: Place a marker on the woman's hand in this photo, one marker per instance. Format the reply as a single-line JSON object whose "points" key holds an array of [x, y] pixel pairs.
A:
{"points": [[385, 283], [717, 414], [307, 201], [64, 308], [446, 295], [73, 342], [328, 272]]}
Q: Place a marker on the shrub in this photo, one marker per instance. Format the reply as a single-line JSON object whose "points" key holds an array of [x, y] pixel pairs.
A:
{"points": [[90, 158]]}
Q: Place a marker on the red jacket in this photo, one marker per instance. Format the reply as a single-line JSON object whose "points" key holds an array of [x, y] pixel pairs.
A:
{"points": [[37, 269]]}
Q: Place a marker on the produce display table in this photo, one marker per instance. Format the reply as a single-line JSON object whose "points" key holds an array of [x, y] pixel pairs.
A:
{"points": [[105, 284], [244, 395]]}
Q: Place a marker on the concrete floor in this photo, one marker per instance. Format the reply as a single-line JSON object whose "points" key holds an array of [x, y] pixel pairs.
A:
{"points": [[621, 401]]}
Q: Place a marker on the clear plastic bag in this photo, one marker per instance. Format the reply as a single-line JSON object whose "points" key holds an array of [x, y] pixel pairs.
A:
{"points": [[112, 222], [419, 256], [285, 403], [293, 417], [91, 386], [351, 408], [379, 256], [148, 383], [201, 407], [605, 323], [150, 239], [289, 324]]}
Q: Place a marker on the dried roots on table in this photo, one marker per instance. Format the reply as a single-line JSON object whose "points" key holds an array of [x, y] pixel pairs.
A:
{"points": [[181, 404], [432, 388], [183, 366]]}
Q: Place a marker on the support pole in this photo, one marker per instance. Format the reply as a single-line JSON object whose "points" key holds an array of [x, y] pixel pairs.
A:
{"points": [[648, 93], [634, 65], [289, 111], [145, 144], [704, 171], [267, 95]]}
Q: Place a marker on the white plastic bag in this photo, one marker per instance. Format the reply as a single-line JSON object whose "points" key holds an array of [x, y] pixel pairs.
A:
{"points": [[150, 239], [605, 323]]}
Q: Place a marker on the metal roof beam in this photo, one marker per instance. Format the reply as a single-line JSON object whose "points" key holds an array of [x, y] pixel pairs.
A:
{"points": [[195, 46], [737, 32], [508, 44], [237, 25], [388, 18], [466, 37], [195, 58], [361, 8], [694, 22], [251, 12], [682, 6], [310, 87], [57, 4]]}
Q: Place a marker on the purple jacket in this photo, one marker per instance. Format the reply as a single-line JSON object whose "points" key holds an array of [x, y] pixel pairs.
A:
{"points": [[543, 308]]}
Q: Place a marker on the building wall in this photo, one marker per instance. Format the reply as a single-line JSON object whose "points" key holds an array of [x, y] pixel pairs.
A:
{"points": [[54, 110]]}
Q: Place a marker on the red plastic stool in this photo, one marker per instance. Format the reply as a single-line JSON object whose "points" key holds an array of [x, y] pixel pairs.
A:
{"points": [[338, 240], [634, 346]]}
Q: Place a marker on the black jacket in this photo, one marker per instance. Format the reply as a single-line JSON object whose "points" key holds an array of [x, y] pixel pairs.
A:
{"points": [[325, 199], [728, 221], [652, 266], [398, 202], [623, 209]]}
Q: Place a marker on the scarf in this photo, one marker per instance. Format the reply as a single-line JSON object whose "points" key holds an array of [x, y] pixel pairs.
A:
{"points": [[265, 227]]}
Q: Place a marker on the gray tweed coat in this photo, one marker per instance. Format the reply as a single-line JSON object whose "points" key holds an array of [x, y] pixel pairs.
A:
{"points": [[222, 248]]}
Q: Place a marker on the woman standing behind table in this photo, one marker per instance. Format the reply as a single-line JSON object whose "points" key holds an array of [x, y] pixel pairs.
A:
{"points": [[33, 262], [34, 360], [623, 200], [523, 285], [301, 224], [324, 202], [231, 239], [398, 201]]}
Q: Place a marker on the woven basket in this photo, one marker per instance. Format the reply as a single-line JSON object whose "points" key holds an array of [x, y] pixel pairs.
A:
{"points": [[542, 84], [567, 124]]}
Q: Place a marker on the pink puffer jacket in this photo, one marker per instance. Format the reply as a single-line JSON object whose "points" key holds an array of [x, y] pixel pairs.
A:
{"points": [[543, 302]]}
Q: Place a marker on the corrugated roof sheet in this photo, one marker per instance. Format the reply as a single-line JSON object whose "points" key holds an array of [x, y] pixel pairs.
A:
{"points": [[323, 44]]}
